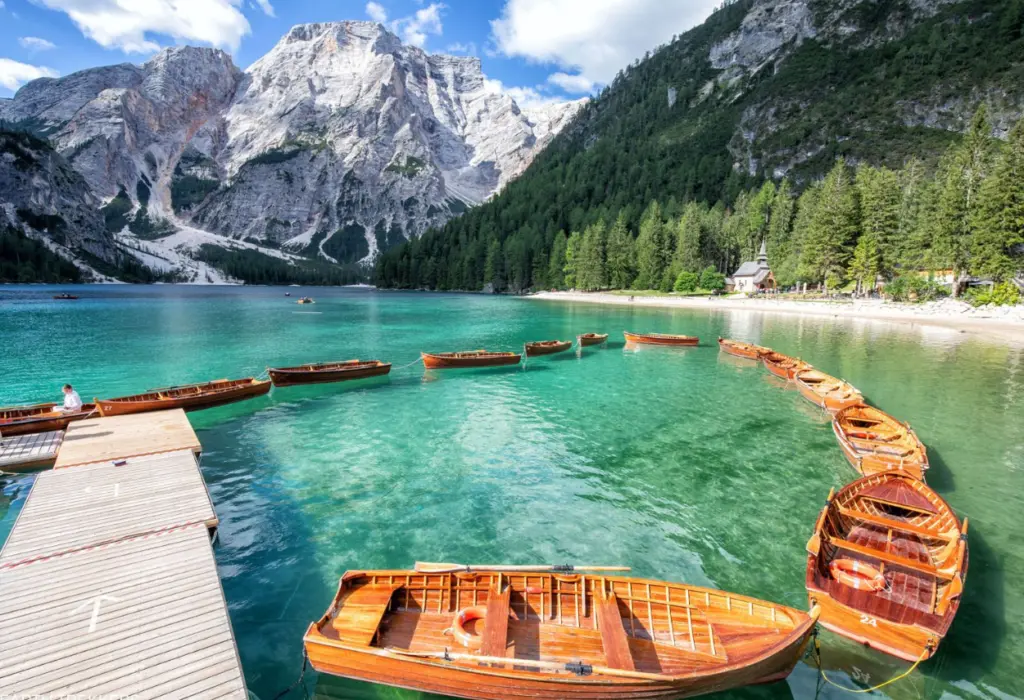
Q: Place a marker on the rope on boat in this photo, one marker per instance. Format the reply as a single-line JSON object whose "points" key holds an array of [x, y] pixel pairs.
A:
{"points": [[302, 675], [859, 691]]}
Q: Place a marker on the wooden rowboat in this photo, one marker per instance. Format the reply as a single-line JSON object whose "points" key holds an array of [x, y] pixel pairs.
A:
{"points": [[547, 347], [325, 372], [826, 391], [470, 358], [660, 339], [39, 418], [783, 366], [588, 339], [494, 633], [741, 349], [873, 441], [192, 397], [887, 564]]}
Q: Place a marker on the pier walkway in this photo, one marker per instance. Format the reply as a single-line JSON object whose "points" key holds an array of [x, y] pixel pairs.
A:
{"points": [[26, 452], [108, 583]]}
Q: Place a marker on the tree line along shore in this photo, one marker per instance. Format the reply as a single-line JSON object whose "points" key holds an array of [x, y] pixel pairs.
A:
{"points": [[858, 228]]}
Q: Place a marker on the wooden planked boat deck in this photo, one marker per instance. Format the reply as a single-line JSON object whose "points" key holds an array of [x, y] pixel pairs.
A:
{"points": [[25, 452], [108, 583], [105, 439]]}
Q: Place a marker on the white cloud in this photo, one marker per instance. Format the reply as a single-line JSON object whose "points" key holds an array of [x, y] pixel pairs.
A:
{"points": [[118, 24], [468, 49], [34, 43], [415, 28], [576, 84], [14, 74], [267, 8], [376, 12], [526, 97], [595, 38]]}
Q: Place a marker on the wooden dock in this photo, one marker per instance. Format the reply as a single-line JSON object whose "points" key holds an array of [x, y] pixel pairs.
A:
{"points": [[106, 439], [27, 452], [108, 583]]}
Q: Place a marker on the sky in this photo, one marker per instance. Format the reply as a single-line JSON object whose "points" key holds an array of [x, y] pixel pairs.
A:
{"points": [[538, 50]]}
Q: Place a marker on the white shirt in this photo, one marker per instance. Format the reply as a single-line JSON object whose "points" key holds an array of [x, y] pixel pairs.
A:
{"points": [[72, 401]]}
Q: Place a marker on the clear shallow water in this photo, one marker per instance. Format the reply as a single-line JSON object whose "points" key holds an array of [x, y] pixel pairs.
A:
{"points": [[682, 464]]}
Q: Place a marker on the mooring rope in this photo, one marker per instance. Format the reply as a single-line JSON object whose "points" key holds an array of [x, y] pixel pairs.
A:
{"points": [[417, 360], [858, 691], [302, 674]]}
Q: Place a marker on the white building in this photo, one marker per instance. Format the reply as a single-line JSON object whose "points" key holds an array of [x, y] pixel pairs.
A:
{"points": [[754, 276]]}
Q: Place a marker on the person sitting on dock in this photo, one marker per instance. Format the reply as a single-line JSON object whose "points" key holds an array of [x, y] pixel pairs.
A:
{"points": [[72, 401]]}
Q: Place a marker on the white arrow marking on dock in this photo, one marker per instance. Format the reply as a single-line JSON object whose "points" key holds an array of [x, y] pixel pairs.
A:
{"points": [[117, 489], [95, 602]]}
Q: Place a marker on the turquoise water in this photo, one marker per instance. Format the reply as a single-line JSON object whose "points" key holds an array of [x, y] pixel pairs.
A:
{"points": [[683, 464]]}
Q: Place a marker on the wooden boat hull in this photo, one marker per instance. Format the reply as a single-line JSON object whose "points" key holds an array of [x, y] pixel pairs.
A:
{"points": [[661, 339], [290, 376], [435, 361], [208, 398], [390, 627], [42, 421], [783, 366], [465, 682], [872, 458], [593, 339], [912, 551], [538, 349], [746, 350], [907, 642], [832, 401]]}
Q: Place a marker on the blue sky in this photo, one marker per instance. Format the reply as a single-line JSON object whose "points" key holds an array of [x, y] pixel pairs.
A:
{"points": [[540, 50]]}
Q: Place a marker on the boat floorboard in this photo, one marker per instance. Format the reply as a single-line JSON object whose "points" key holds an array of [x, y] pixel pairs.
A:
{"points": [[35, 451], [117, 437]]}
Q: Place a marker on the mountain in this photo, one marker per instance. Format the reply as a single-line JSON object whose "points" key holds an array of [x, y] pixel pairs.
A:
{"points": [[762, 90], [338, 143]]}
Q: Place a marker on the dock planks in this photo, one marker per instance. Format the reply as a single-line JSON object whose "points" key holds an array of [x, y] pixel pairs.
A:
{"points": [[117, 437], [143, 618], [26, 452], [68, 509]]}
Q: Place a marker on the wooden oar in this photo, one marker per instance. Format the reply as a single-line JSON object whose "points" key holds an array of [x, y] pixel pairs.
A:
{"points": [[426, 567], [577, 668]]}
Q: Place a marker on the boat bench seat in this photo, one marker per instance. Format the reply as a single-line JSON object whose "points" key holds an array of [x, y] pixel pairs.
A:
{"points": [[896, 525], [879, 555], [360, 612], [613, 633], [495, 632]]}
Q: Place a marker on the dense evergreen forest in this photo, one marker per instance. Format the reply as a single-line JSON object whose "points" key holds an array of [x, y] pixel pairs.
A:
{"points": [[23, 259], [648, 184], [254, 267]]}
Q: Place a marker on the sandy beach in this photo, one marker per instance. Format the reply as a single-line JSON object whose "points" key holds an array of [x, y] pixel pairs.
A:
{"points": [[1005, 323]]}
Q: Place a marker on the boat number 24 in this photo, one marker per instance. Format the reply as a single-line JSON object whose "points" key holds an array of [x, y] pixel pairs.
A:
{"points": [[866, 620]]}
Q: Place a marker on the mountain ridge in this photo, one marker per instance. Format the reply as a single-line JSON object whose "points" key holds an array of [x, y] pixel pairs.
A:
{"points": [[338, 143]]}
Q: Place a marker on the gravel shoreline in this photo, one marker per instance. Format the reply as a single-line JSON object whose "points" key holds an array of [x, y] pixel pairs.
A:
{"points": [[997, 322]]}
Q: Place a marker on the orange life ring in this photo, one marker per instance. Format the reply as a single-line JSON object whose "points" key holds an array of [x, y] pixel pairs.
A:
{"points": [[458, 628], [856, 574]]}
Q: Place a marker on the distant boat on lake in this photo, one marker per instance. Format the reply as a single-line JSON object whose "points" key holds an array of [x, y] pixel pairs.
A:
{"points": [[468, 359], [660, 339]]}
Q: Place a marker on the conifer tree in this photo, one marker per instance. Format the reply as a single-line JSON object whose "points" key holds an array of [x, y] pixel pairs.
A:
{"points": [[833, 230], [880, 211], [556, 261], [590, 269], [687, 256], [998, 244], [494, 266], [620, 255], [651, 260], [572, 257]]}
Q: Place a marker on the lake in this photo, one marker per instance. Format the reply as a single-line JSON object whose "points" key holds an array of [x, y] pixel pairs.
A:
{"points": [[681, 463]]}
